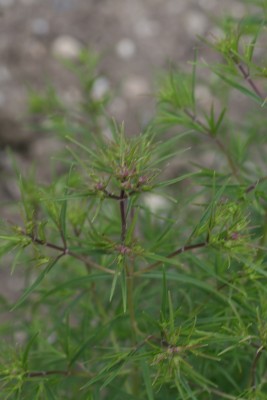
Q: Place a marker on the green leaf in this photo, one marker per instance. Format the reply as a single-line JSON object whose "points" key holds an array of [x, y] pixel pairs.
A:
{"points": [[91, 341], [249, 50], [76, 282], [63, 210], [194, 64], [114, 282], [171, 314], [164, 297], [147, 379], [220, 119], [240, 88], [175, 180], [12, 243], [36, 283], [190, 281], [208, 212], [123, 281], [25, 354]]}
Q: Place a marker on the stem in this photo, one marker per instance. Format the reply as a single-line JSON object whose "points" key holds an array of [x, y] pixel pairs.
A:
{"points": [[249, 80], [66, 373], [254, 367], [255, 184], [130, 301], [111, 195], [123, 215], [40, 374], [224, 395], [65, 251], [263, 238], [129, 269], [171, 255], [135, 377], [89, 263]]}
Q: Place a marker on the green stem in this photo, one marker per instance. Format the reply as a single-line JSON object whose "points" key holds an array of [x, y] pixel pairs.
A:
{"points": [[123, 200], [263, 238], [130, 302]]}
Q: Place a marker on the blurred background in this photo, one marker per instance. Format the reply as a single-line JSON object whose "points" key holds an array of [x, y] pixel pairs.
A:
{"points": [[136, 41]]}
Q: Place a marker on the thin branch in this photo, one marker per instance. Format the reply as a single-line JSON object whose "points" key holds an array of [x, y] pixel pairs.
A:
{"points": [[224, 395], [123, 215], [40, 374], [171, 255], [111, 195], [46, 244], [67, 373], [118, 198], [254, 366], [187, 248], [255, 184], [247, 77], [90, 263], [65, 251]]}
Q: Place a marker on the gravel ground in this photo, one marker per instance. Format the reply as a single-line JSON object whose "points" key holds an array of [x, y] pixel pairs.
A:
{"points": [[136, 39]]}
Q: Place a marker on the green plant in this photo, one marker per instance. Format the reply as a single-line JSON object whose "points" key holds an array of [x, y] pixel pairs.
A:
{"points": [[129, 297]]}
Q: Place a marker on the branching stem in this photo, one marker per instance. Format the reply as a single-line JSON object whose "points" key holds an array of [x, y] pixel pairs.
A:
{"points": [[65, 251], [171, 255]]}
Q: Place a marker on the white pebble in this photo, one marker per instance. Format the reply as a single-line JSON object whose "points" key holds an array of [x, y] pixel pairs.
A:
{"points": [[125, 48], [156, 202], [196, 24], [100, 88], [52, 338], [66, 47]]}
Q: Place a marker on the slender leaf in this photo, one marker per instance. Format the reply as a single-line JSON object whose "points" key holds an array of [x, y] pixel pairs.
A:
{"points": [[36, 283]]}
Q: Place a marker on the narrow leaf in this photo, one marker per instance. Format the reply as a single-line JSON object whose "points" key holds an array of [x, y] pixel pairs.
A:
{"points": [[27, 350], [240, 88], [175, 180], [36, 283], [147, 379]]}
